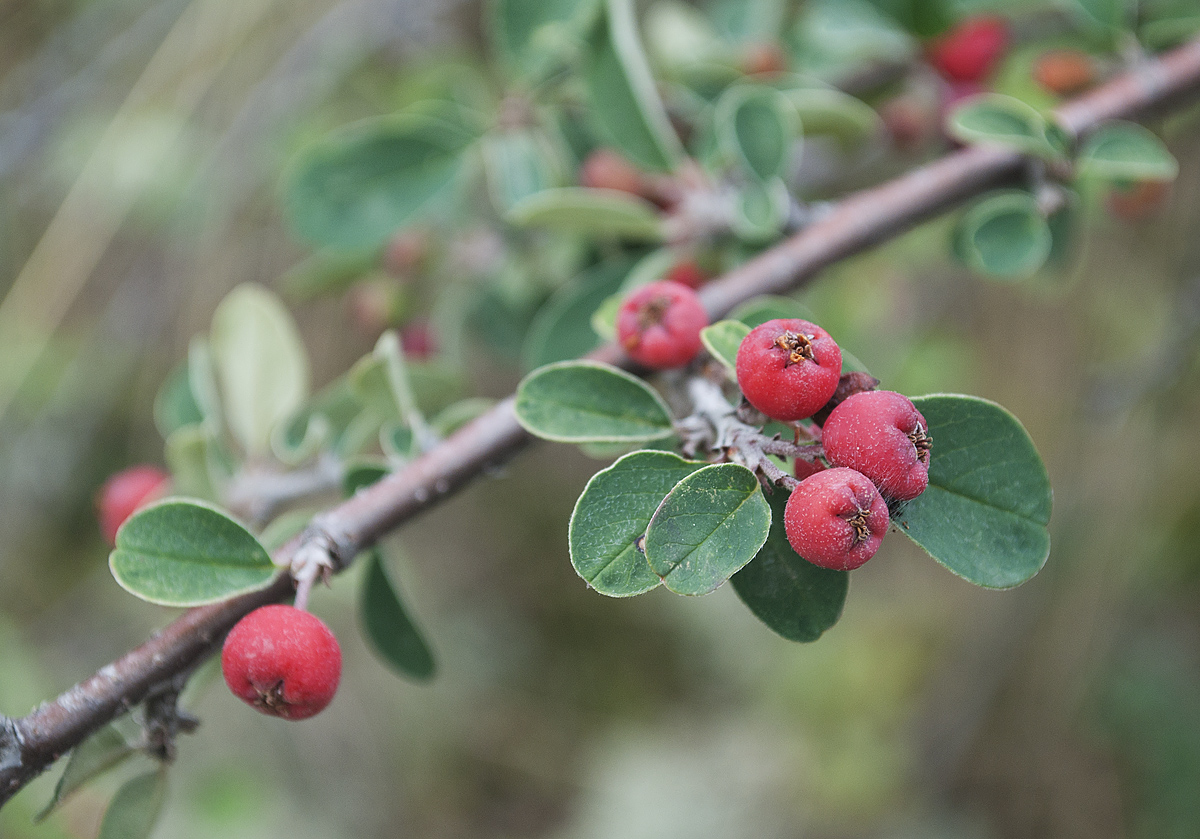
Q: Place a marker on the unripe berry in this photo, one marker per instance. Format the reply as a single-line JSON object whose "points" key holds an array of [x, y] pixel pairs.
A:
{"points": [[881, 434], [126, 492], [970, 51], [788, 368], [836, 519], [659, 325], [283, 661], [1064, 71], [605, 169]]}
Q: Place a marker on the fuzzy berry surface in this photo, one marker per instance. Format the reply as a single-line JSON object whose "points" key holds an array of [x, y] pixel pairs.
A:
{"points": [[788, 368], [283, 661], [836, 519], [125, 493], [881, 434], [659, 324], [970, 51]]}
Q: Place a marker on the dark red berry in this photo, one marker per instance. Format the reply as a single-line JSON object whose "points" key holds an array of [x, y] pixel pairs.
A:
{"points": [[836, 519], [1063, 72], [881, 434], [659, 325], [687, 272], [788, 368], [970, 51], [283, 661], [605, 169], [126, 492], [804, 468], [417, 340]]}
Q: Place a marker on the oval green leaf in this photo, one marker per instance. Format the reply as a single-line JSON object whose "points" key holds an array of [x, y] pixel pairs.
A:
{"points": [[356, 188], [795, 598], [561, 330], [623, 95], [757, 127], [722, 340], [1126, 151], [711, 524], [518, 163], [996, 119], [175, 405], [985, 513], [387, 626], [828, 111], [589, 402], [187, 553], [597, 213], [765, 307], [612, 514], [135, 808], [1004, 236], [93, 757], [531, 38], [260, 362]]}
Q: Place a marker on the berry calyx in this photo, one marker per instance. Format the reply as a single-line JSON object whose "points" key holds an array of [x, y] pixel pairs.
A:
{"points": [[881, 434], [970, 51], [125, 493], [836, 519], [605, 169], [283, 661], [788, 368], [659, 324]]}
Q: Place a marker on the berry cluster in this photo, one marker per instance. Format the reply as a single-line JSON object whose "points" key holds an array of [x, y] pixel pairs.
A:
{"points": [[876, 441]]}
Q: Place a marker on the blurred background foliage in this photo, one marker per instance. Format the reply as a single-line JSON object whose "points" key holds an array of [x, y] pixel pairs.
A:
{"points": [[141, 147]]}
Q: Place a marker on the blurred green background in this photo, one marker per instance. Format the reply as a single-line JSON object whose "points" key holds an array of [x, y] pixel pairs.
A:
{"points": [[140, 149]]}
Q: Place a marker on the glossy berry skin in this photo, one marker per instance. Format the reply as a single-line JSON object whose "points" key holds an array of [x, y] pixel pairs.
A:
{"points": [[788, 368], [283, 661], [970, 51], [836, 519], [605, 169], [126, 492], [659, 325], [881, 434]]}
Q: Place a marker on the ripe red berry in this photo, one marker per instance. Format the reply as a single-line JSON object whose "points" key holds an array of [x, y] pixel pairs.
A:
{"points": [[605, 169], [836, 519], [805, 468], [688, 273], [418, 340], [126, 492], [970, 51], [659, 324], [788, 368], [1064, 71], [283, 661], [881, 434]]}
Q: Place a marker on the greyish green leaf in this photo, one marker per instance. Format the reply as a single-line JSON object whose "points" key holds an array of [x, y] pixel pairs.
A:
{"points": [[985, 513], [387, 626], [711, 524], [765, 307], [994, 118], [136, 807], [175, 405], [722, 340], [795, 598], [622, 94], [186, 553], [561, 330], [94, 756], [1126, 151], [612, 514], [589, 402], [518, 163], [757, 129], [1004, 235], [531, 37], [260, 362], [596, 213], [825, 110]]}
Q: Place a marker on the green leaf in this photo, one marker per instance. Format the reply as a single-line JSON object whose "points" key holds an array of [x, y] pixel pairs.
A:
{"points": [[318, 424], [189, 456], [283, 528], [1004, 235], [260, 363], [135, 808], [174, 405], [388, 627], [1125, 151], [589, 402], [612, 514], [596, 213], [747, 21], [458, 414], [795, 598], [761, 211], [827, 111], [561, 330], [94, 756], [992, 118], [679, 36], [532, 37], [711, 524], [757, 127], [765, 307], [518, 163], [362, 474], [187, 553], [359, 186], [722, 340], [328, 271], [834, 37], [622, 94], [985, 512]]}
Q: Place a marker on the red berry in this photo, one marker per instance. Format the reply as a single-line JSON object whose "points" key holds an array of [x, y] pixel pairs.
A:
{"points": [[126, 492], [1136, 201], [659, 324], [881, 434], [605, 169], [687, 273], [764, 57], [283, 661], [836, 519], [1064, 72], [788, 368], [970, 51], [805, 468], [418, 340]]}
